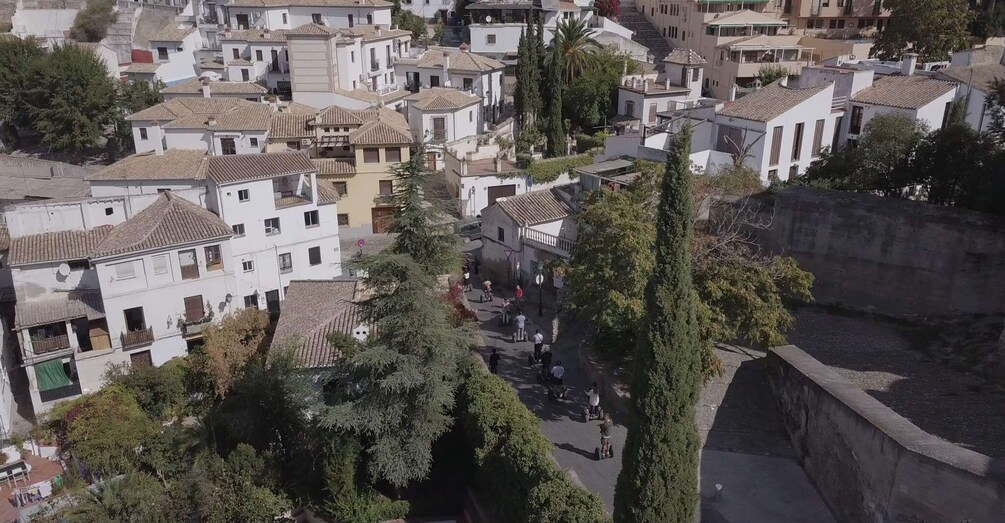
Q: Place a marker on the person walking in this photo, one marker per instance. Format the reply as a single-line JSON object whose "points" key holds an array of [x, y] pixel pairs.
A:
{"points": [[519, 293], [605, 436], [467, 279], [546, 361], [521, 322], [538, 344], [494, 362]]}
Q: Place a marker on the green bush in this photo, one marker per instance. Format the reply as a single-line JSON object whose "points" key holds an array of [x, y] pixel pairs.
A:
{"points": [[91, 23], [586, 142], [544, 171], [511, 465]]}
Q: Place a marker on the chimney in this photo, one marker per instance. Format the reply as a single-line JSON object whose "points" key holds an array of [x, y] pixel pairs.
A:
{"points": [[446, 67], [498, 164], [666, 81], [155, 133], [909, 62], [784, 82], [464, 48], [378, 30], [205, 88], [211, 121]]}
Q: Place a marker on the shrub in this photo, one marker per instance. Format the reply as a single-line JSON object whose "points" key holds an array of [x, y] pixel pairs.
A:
{"points": [[586, 142], [511, 465], [609, 8], [545, 171], [91, 23]]}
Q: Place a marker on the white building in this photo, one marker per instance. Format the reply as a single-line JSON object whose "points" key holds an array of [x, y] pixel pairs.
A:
{"points": [[440, 10], [206, 87], [975, 84], [287, 14], [458, 69], [313, 310], [258, 55], [174, 51], [438, 115], [921, 98]]}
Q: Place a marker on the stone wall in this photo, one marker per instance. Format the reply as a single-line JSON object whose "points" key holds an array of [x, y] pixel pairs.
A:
{"points": [[894, 257], [872, 465]]}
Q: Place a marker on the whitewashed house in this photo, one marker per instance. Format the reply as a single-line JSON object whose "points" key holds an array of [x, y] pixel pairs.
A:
{"points": [[439, 115], [313, 310], [287, 14], [205, 87], [258, 55], [174, 51], [923, 99], [975, 83], [458, 69]]}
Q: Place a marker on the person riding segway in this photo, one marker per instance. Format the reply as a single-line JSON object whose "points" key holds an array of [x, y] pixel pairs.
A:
{"points": [[606, 449], [556, 389], [592, 410], [486, 291]]}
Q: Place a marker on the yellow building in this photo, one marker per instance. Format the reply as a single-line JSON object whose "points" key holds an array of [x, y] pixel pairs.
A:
{"points": [[356, 150]]}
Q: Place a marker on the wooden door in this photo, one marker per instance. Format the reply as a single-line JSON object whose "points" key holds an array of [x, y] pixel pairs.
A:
{"points": [[431, 161], [500, 191], [381, 218], [139, 359]]}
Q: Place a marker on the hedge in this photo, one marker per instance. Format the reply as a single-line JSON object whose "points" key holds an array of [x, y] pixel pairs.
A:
{"points": [[544, 171], [512, 468]]}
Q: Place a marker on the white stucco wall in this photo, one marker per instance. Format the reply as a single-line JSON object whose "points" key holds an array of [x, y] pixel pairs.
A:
{"points": [[181, 61]]}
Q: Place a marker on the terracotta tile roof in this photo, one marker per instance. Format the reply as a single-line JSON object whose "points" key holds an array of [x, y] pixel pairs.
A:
{"points": [[459, 60], [242, 167], [174, 164], [4, 238], [765, 42], [334, 167], [255, 35], [173, 32], [982, 75], [239, 62], [211, 65], [327, 193], [194, 86], [536, 207], [287, 126], [372, 33], [769, 102], [310, 30], [371, 97], [313, 310], [52, 247], [335, 115], [179, 107], [142, 68], [309, 3], [684, 56], [170, 221], [61, 307], [381, 126], [904, 92], [254, 117], [743, 17], [441, 98]]}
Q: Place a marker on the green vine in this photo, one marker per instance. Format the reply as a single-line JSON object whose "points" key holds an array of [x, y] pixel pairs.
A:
{"points": [[544, 171]]}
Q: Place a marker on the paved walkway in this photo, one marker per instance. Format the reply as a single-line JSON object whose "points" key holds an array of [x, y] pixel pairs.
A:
{"points": [[745, 449]]}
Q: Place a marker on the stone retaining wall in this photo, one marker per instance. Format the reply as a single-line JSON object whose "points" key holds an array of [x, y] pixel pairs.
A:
{"points": [[869, 463]]}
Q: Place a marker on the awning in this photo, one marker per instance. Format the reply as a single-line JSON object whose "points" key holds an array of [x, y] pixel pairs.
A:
{"points": [[50, 375], [58, 309]]}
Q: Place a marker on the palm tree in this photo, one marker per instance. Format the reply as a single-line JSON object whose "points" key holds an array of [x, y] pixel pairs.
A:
{"points": [[572, 37]]}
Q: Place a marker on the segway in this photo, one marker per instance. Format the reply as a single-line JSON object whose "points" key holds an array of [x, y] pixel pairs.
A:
{"points": [[609, 454], [588, 417], [557, 392]]}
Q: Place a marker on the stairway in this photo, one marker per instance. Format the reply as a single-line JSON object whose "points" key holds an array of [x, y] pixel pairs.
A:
{"points": [[645, 33]]}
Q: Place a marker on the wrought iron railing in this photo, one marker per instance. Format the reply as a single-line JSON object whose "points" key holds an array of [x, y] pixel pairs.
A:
{"points": [[68, 391], [562, 246], [137, 338], [54, 343]]}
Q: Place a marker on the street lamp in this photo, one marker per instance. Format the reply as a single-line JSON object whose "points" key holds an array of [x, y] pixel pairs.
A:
{"points": [[539, 280]]}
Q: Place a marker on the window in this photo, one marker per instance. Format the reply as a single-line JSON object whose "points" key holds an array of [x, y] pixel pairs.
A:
{"points": [[314, 255], [855, 125], [797, 141], [773, 175], [124, 271], [160, 264], [109, 211], [316, 18], [501, 234], [694, 74], [251, 301], [248, 266], [945, 114], [236, 53], [343, 220], [271, 226], [188, 264], [350, 25], [392, 154], [340, 188], [272, 301], [243, 195], [369, 19], [143, 133], [214, 261], [776, 146], [471, 116], [629, 108], [311, 219], [793, 172], [469, 84], [293, 145], [227, 146], [371, 155], [285, 262], [258, 55], [434, 81], [284, 18], [386, 187], [79, 265], [254, 142], [245, 75], [352, 54], [818, 137], [162, 53], [490, 39], [134, 319], [194, 309]]}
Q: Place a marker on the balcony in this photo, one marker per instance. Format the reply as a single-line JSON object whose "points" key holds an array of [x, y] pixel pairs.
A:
{"points": [[547, 242], [50, 344], [68, 391], [374, 66], [195, 327], [189, 272], [137, 338], [291, 199]]}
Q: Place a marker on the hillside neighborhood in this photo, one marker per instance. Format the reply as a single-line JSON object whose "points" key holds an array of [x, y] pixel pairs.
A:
{"points": [[502, 260]]}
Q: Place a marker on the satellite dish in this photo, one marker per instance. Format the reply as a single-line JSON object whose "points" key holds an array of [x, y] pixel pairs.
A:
{"points": [[63, 269], [488, 19]]}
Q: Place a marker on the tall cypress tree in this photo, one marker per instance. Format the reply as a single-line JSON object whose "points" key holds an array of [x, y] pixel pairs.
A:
{"points": [[659, 476], [522, 78], [554, 125], [419, 222], [532, 98]]}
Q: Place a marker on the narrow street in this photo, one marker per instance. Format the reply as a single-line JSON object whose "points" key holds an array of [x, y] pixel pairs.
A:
{"points": [[575, 441]]}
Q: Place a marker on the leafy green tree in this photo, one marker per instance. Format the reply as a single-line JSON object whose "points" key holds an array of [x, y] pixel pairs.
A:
{"points": [[395, 8], [348, 497], [771, 73], [405, 376], [71, 100], [592, 97], [160, 391], [659, 476], [528, 95], [410, 21], [132, 498], [16, 59], [91, 23], [105, 430], [423, 231], [996, 108], [238, 488], [229, 346], [554, 124], [576, 47], [931, 28]]}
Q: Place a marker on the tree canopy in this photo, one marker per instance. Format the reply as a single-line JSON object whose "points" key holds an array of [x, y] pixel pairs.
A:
{"points": [[931, 28], [91, 23], [423, 230]]}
